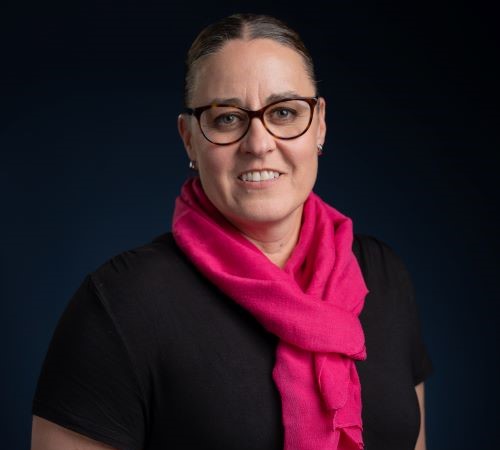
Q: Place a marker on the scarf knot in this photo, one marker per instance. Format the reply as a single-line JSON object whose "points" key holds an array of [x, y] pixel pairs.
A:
{"points": [[312, 305]]}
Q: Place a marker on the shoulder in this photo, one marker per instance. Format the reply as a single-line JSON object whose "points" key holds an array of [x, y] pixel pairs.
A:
{"points": [[379, 262], [368, 247], [135, 285], [151, 265], [141, 290], [145, 260]]}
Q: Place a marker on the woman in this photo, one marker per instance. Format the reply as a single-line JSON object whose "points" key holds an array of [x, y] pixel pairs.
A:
{"points": [[242, 329]]}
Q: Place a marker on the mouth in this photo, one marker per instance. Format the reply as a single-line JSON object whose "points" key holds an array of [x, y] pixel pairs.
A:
{"points": [[256, 176]]}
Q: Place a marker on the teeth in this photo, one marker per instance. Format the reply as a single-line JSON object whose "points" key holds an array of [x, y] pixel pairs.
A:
{"points": [[256, 176]]}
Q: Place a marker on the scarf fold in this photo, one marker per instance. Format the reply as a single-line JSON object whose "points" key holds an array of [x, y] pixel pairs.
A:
{"points": [[312, 305]]}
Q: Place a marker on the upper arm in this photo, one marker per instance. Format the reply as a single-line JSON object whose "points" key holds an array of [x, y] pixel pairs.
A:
{"points": [[88, 383], [419, 389], [393, 273], [46, 435]]}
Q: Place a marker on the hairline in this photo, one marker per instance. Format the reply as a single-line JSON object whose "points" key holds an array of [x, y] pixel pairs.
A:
{"points": [[246, 36]]}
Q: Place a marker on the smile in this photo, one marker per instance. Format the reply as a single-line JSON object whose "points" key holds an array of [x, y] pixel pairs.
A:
{"points": [[259, 175]]}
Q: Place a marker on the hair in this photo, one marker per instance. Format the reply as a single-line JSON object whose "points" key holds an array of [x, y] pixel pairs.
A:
{"points": [[242, 26]]}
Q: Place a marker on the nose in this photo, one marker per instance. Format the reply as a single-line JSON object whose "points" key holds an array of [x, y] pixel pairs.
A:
{"points": [[258, 140]]}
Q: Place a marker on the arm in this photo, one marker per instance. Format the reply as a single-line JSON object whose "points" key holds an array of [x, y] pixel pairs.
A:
{"points": [[46, 435], [419, 389], [87, 383]]}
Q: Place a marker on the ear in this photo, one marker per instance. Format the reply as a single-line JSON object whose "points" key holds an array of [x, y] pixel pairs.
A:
{"points": [[321, 133], [184, 127]]}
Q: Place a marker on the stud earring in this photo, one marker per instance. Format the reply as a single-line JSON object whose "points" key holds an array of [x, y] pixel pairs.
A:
{"points": [[320, 149], [192, 165]]}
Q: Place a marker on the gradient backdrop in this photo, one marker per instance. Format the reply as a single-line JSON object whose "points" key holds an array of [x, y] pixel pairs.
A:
{"points": [[91, 163]]}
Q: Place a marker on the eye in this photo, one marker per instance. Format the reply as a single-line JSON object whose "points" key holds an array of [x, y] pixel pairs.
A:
{"points": [[283, 113], [227, 119]]}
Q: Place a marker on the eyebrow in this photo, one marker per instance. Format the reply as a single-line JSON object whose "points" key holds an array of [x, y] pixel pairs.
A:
{"points": [[272, 98]]}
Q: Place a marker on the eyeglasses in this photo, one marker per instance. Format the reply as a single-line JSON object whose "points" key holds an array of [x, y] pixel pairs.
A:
{"points": [[225, 124]]}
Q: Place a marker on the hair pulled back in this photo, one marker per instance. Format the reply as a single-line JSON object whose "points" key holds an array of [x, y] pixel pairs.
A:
{"points": [[242, 26]]}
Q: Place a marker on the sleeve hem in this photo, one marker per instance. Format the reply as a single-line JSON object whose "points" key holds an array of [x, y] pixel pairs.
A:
{"points": [[82, 426], [425, 371]]}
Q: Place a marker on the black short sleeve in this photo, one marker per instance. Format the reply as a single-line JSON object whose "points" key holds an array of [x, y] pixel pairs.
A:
{"points": [[386, 273], [420, 360], [87, 382], [397, 358]]}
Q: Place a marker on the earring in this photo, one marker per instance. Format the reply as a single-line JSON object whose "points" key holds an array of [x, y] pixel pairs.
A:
{"points": [[320, 149], [192, 165]]}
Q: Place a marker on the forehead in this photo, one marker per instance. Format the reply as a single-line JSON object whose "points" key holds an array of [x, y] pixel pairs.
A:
{"points": [[250, 71]]}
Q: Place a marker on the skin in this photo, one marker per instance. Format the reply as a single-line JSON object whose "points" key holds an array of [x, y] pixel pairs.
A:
{"points": [[46, 435], [420, 390], [268, 215]]}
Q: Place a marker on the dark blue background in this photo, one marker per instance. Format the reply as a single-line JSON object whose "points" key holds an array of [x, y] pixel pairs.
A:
{"points": [[91, 163]]}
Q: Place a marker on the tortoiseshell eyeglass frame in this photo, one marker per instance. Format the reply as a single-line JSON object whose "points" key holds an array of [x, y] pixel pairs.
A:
{"points": [[259, 114]]}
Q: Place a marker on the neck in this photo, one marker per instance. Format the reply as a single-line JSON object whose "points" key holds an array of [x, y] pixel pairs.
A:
{"points": [[276, 240]]}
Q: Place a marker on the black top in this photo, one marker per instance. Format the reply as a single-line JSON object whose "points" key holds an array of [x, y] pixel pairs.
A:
{"points": [[150, 355]]}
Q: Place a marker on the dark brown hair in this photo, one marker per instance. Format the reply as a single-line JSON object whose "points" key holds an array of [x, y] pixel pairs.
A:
{"points": [[242, 26]]}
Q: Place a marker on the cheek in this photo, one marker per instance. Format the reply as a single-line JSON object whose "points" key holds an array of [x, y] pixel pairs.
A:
{"points": [[310, 167], [214, 162], [306, 164], [206, 156], [215, 170]]}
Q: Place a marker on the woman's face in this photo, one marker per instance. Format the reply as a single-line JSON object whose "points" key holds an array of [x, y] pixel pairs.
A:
{"points": [[253, 72]]}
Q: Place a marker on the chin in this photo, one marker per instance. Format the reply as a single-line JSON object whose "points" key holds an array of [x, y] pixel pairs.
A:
{"points": [[267, 213]]}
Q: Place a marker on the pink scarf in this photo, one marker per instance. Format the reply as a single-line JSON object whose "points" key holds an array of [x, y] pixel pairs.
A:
{"points": [[312, 305]]}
